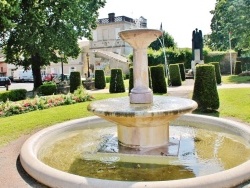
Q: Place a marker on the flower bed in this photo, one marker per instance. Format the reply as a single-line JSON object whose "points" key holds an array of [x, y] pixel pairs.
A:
{"points": [[10, 108]]}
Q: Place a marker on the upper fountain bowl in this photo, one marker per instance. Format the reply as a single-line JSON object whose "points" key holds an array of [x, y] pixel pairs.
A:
{"points": [[140, 38]]}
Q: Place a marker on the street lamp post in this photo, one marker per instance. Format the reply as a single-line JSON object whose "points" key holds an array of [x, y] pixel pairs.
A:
{"points": [[87, 55], [62, 78]]}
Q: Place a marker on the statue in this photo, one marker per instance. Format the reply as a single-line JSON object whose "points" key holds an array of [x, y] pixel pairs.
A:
{"points": [[197, 43]]}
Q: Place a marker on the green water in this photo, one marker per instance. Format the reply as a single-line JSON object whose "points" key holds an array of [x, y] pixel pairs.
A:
{"points": [[201, 152]]}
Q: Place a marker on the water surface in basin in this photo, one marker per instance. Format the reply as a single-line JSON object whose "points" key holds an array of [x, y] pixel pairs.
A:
{"points": [[200, 152]]}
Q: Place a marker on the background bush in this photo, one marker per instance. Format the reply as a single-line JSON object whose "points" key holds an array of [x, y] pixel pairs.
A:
{"points": [[175, 75], [159, 84], [205, 88], [13, 95], [75, 81], [237, 68], [116, 82], [182, 71], [48, 88], [217, 71], [100, 82]]}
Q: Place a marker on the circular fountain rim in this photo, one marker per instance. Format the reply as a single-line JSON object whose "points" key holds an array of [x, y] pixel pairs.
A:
{"points": [[55, 178]]}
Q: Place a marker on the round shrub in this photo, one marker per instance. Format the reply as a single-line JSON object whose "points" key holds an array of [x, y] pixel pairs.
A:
{"points": [[48, 88], [159, 84], [217, 71], [237, 68], [75, 81], [175, 75], [100, 82], [205, 88], [116, 81], [13, 95], [182, 71]]}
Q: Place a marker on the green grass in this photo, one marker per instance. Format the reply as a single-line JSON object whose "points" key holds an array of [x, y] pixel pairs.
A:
{"points": [[235, 79], [235, 103]]}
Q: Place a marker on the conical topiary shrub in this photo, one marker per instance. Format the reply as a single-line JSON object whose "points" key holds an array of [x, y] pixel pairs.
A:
{"points": [[175, 75], [217, 71], [116, 81], [75, 81], [159, 84], [182, 71], [100, 81], [205, 88], [237, 68]]}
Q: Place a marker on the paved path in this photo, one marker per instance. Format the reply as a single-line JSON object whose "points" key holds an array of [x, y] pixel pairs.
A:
{"points": [[12, 174]]}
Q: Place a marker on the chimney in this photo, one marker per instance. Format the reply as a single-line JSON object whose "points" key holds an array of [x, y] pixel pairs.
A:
{"points": [[111, 17]]}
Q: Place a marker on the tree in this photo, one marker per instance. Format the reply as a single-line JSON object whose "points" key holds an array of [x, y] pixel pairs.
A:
{"points": [[159, 43], [230, 17], [48, 31]]}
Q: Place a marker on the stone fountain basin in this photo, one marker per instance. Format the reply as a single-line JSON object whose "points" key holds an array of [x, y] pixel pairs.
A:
{"points": [[55, 178]]}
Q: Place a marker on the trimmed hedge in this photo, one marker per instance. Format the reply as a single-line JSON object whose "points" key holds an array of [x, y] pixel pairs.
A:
{"points": [[205, 88], [237, 68], [13, 95], [217, 71], [100, 82], [48, 88], [116, 81], [159, 84], [182, 71], [175, 75], [131, 78], [75, 81]]}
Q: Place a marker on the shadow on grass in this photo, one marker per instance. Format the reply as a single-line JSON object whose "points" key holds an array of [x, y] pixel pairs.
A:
{"points": [[239, 79], [213, 113]]}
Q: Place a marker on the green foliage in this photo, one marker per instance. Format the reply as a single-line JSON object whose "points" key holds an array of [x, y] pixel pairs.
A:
{"points": [[182, 71], [107, 79], [13, 95], [167, 43], [237, 67], [100, 82], [175, 75], [8, 11], [214, 56], [48, 88], [116, 82], [159, 84], [217, 71], [205, 88], [75, 81], [230, 16]]}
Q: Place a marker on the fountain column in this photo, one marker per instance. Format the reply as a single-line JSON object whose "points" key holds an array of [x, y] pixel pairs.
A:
{"points": [[140, 39]]}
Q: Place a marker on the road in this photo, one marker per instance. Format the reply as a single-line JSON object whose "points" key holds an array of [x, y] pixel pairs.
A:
{"points": [[14, 85]]}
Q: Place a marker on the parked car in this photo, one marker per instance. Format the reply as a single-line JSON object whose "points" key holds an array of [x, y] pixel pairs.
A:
{"points": [[5, 81], [58, 78], [49, 77]]}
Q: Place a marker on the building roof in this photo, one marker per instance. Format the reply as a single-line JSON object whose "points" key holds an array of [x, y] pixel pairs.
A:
{"points": [[111, 55]]}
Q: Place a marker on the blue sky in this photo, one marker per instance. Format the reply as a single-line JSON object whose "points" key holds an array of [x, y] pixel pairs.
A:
{"points": [[178, 17]]}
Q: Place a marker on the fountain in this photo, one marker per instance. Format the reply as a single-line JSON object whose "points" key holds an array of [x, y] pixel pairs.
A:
{"points": [[144, 123]]}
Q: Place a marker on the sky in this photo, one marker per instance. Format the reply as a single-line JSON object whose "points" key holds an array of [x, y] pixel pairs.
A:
{"points": [[178, 17]]}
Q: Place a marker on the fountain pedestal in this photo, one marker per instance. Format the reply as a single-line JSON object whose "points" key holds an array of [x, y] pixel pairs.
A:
{"points": [[140, 39]]}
